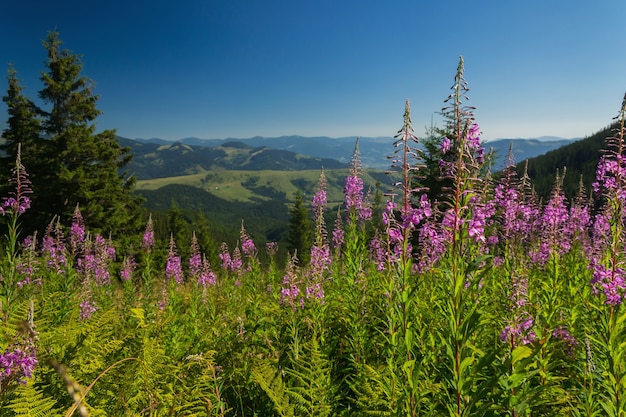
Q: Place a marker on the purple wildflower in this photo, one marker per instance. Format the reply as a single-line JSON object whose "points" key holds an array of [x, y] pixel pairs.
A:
{"points": [[173, 268], [247, 244], [319, 206], [445, 145], [379, 252], [519, 328], [207, 276], [128, 266], [225, 256], [18, 362], [18, 201], [562, 333], [77, 231], [271, 248], [338, 234], [29, 262], [195, 260], [53, 248], [290, 291], [236, 263], [148, 236], [87, 308]]}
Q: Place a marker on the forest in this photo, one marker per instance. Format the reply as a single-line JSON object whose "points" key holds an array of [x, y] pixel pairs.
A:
{"points": [[461, 292]]}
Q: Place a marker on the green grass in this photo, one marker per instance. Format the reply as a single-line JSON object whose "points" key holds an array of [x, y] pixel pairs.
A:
{"points": [[243, 186]]}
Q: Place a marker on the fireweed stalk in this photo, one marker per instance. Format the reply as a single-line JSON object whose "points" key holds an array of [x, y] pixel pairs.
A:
{"points": [[609, 272], [463, 265], [352, 281], [513, 221], [403, 387], [13, 206]]}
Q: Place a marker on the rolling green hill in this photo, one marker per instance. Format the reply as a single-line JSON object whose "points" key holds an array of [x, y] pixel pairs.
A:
{"points": [[259, 186]]}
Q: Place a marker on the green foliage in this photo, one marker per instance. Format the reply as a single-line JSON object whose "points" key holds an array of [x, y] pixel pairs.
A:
{"points": [[29, 401], [299, 238], [71, 164], [580, 159]]}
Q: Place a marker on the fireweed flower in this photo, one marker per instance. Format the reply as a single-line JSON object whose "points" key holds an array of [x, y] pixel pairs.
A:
{"points": [[555, 236], [562, 333], [77, 231], [29, 262], [207, 276], [290, 290], [225, 256], [96, 257], [319, 208], [18, 362], [53, 248], [319, 266], [271, 248], [148, 236], [611, 281], [445, 145], [338, 235], [236, 264], [173, 268], [195, 260], [432, 245], [18, 201], [379, 252], [128, 267], [518, 331], [87, 308], [247, 244]]}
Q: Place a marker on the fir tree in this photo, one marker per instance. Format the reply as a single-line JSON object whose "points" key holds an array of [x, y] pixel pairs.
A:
{"points": [[299, 238], [23, 129], [75, 164]]}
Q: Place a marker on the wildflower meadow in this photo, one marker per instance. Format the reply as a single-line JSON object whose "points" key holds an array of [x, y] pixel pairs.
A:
{"points": [[482, 301]]}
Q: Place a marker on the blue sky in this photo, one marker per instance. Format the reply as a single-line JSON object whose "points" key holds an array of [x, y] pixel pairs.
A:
{"points": [[217, 69]]}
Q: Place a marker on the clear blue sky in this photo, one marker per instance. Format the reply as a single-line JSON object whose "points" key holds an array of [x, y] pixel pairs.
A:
{"points": [[217, 69]]}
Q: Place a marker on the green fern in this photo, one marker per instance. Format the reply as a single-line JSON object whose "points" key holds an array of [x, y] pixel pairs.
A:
{"points": [[200, 387], [28, 401], [310, 382], [271, 383]]}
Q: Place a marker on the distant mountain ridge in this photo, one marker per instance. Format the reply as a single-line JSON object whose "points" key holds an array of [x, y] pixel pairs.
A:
{"points": [[374, 151], [171, 159]]}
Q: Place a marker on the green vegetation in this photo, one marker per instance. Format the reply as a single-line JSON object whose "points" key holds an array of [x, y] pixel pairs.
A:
{"points": [[70, 164], [479, 300]]}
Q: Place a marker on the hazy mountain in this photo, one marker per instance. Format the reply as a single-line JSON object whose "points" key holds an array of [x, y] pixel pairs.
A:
{"points": [[154, 160], [374, 150]]}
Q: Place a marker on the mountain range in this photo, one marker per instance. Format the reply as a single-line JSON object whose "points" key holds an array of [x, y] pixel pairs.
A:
{"points": [[160, 158]]}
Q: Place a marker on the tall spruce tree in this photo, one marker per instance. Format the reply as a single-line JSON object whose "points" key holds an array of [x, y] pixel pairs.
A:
{"points": [[23, 129], [299, 237], [76, 165]]}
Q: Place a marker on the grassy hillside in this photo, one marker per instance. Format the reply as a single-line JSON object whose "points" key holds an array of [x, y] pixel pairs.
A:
{"points": [[266, 185]]}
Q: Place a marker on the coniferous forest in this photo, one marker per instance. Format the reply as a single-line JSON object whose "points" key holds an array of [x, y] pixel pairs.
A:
{"points": [[461, 292]]}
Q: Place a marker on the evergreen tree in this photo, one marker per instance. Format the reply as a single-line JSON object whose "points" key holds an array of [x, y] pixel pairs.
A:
{"points": [[75, 164], [23, 129], [299, 237]]}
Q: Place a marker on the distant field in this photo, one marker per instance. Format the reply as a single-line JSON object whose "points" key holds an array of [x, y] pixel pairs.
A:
{"points": [[248, 186]]}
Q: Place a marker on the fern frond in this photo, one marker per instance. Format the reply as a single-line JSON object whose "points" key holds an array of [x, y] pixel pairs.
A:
{"points": [[271, 383], [28, 401], [310, 381]]}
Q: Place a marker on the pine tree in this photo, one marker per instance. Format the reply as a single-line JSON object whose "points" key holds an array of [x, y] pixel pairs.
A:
{"points": [[76, 165], [23, 129], [299, 237]]}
